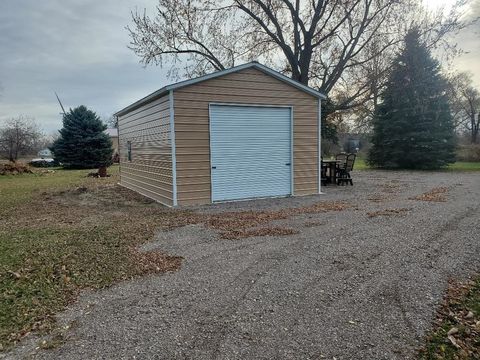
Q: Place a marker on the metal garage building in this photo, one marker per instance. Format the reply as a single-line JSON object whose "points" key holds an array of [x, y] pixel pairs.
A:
{"points": [[244, 132]]}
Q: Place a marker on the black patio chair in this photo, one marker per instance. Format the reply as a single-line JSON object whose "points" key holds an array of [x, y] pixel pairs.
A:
{"points": [[343, 174], [341, 159], [323, 173]]}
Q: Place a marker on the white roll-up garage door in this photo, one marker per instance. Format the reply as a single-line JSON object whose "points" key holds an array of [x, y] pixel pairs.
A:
{"points": [[250, 151]]}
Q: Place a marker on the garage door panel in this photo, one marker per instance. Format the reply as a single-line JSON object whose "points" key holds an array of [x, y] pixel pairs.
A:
{"points": [[250, 151]]}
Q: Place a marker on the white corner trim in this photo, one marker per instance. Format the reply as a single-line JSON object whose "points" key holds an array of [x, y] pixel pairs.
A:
{"points": [[292, 165], [174, 156], [319, 146]]}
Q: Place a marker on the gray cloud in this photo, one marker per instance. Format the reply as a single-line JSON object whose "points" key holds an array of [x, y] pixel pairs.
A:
{"points": [[79, 49], [468, 41]]}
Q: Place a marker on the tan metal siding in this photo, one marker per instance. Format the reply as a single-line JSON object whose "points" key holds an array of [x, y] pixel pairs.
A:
{"points": [[148, 130], [249, 86]]}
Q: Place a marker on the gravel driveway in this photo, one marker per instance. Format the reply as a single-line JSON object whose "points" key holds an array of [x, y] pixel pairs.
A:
{"points": [[347, 286]]}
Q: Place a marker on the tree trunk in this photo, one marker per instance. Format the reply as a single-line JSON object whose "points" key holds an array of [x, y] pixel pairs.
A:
{"points": [[475, 127], [102, 172]]}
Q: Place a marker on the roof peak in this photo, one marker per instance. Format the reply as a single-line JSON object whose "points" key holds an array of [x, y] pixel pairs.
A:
{"points": [[188, 82]]}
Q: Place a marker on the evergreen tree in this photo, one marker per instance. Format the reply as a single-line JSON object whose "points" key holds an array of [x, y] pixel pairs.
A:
{"points": [[82, 143], [413, 127]]}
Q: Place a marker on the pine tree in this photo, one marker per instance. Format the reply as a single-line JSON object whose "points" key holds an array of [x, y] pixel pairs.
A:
{"points": [[413, 127], [82, 143]]}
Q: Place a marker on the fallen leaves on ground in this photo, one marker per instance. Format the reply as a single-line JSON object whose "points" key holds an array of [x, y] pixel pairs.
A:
{"points": [[437, 194], [265, 231], [377, 199], [456, 333], [59, 242], [388, 212], [242, 224], [310, 224], [391, 188], [87, 234]]}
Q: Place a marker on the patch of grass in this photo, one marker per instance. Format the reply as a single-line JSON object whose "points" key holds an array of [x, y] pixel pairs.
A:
{"points": [[464, 166], [360, 164], [57, 237], [456, 334]]}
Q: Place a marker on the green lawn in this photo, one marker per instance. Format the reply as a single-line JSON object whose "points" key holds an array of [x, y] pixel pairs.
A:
{"points": [[464, 166], [61, 232], [360, 164]]}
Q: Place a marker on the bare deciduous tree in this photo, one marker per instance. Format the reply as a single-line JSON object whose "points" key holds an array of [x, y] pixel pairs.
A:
{"points": [[321, 43], [465, 104], [19, 136]]}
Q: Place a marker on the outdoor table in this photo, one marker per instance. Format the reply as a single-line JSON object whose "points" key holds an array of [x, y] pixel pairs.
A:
{"points": [[332, 170]]}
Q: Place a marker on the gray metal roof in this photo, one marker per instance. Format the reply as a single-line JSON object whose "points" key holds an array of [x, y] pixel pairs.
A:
{"points": [[181, 84]]}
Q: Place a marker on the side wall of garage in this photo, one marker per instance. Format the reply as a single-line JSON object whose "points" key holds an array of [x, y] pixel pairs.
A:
{"points": [[149, 171], [249, 86]]}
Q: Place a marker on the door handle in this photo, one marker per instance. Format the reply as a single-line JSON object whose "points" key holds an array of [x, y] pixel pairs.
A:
{"points": [[287, 164], [214, 167]]}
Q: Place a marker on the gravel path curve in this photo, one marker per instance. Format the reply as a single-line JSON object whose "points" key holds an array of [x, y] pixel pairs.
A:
{"points": [[348, 286]]}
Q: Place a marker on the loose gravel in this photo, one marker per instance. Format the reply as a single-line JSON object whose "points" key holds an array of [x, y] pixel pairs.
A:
{"points": [[346, 286]]}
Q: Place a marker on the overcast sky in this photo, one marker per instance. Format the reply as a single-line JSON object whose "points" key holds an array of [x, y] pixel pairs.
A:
{"points": [[78, 48]]}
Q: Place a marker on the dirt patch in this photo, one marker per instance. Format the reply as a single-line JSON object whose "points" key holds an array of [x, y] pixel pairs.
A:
{"points": [[437, 194], [388, 212]]}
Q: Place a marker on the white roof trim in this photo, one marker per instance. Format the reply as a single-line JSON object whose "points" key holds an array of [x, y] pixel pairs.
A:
{"points": [[181, 84]]}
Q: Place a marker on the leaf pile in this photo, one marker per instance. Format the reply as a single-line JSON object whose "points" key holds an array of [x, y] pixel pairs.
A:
{"points": [[456, 334], [243, 224], [388, 212], [437, 194], [264, 231], [14, 168]]}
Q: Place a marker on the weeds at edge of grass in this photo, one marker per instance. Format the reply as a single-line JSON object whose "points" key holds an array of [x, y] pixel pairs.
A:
{"points": [[458, 314]]}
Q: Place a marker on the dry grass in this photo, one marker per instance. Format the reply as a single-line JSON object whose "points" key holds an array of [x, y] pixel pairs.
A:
{"points": [[437, 194], [388, 212]]}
